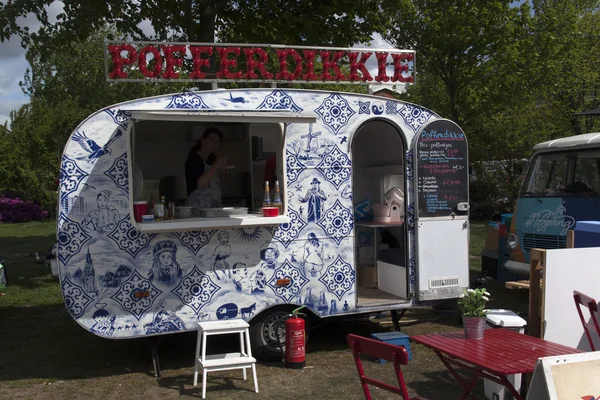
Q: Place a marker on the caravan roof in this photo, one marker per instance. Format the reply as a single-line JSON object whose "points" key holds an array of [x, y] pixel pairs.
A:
{"points": [[571, 141]]}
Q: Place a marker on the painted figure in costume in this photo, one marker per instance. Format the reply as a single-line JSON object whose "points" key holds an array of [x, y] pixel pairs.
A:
{"points": [[258, 281], [221, 254], [239, 276], [104, 218], [313, 256], [164, 321], [315, 198], [103, 323], [269, 254], [165, 267]]}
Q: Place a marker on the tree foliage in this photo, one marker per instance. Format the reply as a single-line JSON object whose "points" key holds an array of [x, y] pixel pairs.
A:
{"points": [[509, 75]]}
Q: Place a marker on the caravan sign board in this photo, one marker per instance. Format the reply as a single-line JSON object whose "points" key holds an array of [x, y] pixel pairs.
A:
{"points": [[137, 61]]}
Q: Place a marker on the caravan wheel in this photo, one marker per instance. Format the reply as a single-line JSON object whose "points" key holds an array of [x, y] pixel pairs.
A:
{"points": [[264, 331]]}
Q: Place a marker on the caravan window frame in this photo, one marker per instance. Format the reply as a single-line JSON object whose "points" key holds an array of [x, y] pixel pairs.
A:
{"points": [[212, 116]]}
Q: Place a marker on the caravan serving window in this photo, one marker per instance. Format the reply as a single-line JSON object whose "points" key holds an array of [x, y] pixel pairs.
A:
{"points": [[159, 144]]}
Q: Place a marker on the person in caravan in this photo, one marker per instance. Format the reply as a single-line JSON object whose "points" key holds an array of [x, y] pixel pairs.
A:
{"points": [[202, 171]]}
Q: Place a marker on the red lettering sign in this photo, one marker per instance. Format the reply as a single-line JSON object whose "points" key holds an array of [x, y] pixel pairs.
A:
{"points": [[354, 67], [168, 51], [381, 65], [331, 65], [143, 62], [309, 61], [252, 63], [298, 64], [227, 63], [200, 62], [119, 61], [284, 72]]}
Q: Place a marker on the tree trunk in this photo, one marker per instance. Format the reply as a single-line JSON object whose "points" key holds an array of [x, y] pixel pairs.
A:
{"points": [[200, 27]]}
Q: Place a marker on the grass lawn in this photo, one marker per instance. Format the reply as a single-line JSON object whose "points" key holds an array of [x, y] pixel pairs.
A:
{"points": [[45, 354]]}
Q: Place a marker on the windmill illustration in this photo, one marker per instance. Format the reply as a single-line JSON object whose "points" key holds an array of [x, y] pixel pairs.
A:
{"points": [[310, 136], [91, 147]]}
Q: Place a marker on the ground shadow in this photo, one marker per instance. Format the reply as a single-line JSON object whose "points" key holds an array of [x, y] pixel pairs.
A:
{"points": [[19, 263], [182, 384], [443, 382]]}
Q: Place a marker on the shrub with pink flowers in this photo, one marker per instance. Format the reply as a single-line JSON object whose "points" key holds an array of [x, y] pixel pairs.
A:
{"points": [[14, 209]]}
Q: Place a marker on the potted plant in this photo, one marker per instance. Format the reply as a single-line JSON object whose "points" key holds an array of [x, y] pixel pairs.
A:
{"points": [[472, 307]]}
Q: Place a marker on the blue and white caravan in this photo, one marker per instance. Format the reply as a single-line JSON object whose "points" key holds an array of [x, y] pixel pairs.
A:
{"points": [[375, 212]]}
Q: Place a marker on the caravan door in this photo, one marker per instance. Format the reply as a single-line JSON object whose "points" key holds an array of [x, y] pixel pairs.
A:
{"points": [[441, 210]]}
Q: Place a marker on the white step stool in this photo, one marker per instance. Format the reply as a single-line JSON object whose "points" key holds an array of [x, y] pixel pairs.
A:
{"points": [[223, 362]]}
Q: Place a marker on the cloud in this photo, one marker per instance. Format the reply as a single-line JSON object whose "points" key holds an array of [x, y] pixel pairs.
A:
{"points": [[13, 63], [6, 106], [378, 42]]}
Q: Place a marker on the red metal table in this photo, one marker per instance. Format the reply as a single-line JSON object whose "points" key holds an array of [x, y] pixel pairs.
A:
{"points": [[500, 353]]}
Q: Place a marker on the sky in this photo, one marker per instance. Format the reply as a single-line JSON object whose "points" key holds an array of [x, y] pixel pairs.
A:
{"points": [[13, 64]]}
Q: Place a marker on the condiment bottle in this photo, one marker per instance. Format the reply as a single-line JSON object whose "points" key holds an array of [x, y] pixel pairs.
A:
{"points": [[277, 198], [163, 202], [267, 197], [171, 210], [159, 211]]}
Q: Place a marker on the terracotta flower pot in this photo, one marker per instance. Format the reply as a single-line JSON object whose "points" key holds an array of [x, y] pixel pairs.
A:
{"points": [[474, 327]]}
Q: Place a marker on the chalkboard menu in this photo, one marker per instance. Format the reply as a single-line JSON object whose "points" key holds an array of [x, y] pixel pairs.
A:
{"points": [[442, 169]]}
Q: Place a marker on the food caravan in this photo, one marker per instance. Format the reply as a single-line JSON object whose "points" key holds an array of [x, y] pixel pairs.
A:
{"points": [[562, 186], [340, 245]]}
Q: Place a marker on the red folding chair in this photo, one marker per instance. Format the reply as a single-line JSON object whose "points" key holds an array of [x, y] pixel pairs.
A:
{"points": [[586, 301], [389, 352]]}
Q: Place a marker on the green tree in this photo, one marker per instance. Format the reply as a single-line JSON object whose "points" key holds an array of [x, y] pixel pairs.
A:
{"points": [[314, 22], [457, 44], [567, 53]]}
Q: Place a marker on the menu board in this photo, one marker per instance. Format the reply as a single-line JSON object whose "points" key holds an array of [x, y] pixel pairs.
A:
{"points": [[442, 169]]}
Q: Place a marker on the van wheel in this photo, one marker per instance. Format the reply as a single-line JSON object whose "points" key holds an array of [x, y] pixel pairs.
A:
{"points": [[264, 331]]}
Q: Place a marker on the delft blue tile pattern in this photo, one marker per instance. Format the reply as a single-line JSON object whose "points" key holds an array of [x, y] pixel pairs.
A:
{"points": [[70, 177], [194, 240], [335, 111], [187, 100], [337, 222], [288, 232], [293, 167], [136, 295], [339, 278], [196, 289], [410, 172], [335, 167], [364, 107], [128, 238], [196, 293], [279, 100], [414, 116], [71, 239], [75, 298], [119, 117], [297, 282], [119, 173]]}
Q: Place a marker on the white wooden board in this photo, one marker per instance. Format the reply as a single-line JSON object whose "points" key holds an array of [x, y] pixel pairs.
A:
{"points": [[567, 270], [573, 376]]}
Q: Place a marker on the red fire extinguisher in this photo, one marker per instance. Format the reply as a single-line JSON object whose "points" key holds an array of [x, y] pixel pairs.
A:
{"points": [[295, 350]]}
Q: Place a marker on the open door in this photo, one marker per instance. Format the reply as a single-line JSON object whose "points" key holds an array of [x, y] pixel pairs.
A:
{"points": [[378, 164], [441, 210]]}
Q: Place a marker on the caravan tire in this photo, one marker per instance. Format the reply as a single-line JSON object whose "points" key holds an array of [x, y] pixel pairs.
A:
{"points": [[263, 334]]}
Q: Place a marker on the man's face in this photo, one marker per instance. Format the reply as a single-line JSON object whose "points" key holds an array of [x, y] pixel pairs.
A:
{"points": [[102, 202]]}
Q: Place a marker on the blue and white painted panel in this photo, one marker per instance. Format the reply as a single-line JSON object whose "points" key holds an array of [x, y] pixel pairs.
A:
{"points": [[118, 282]]}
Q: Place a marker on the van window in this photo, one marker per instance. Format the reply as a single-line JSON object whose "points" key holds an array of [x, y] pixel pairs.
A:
{"points": [[564, 173]]}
